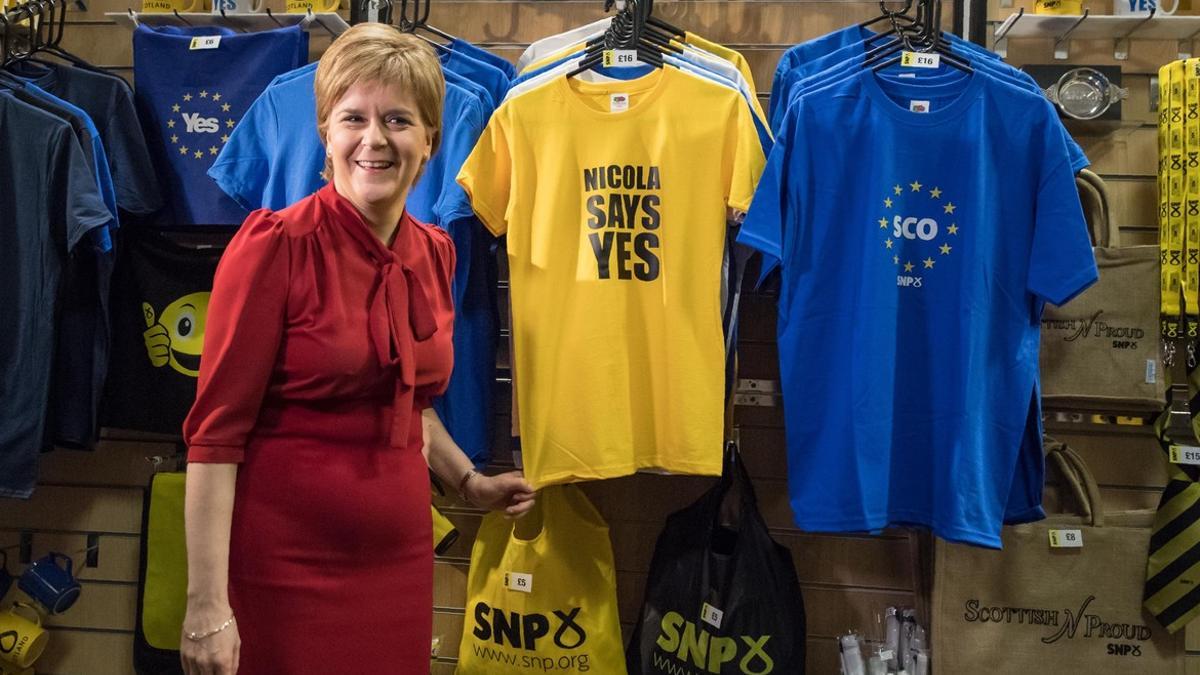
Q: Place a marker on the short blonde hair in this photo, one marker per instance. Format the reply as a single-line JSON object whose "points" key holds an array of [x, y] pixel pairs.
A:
{"points": [[376, 52]]}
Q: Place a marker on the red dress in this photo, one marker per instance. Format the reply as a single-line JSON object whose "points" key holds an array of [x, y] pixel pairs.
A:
{"points": [[322, 347]]}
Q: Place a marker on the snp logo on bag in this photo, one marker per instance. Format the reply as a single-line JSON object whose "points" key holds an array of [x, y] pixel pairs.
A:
{"points": [[528, 633], [686, 648]]}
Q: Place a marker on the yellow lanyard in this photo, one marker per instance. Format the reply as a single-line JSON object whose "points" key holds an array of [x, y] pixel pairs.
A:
{"points": [[1171, 192]]}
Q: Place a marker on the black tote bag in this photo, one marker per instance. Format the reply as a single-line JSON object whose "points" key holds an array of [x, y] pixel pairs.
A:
{"points": [[722, 596]]}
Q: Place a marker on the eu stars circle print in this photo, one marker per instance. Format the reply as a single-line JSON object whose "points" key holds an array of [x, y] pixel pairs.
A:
{"points": [[919, 229], [198, 125]]}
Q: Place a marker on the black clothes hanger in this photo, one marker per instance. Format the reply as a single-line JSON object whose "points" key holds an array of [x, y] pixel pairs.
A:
{"points": [[627, 31], [924, 35]]}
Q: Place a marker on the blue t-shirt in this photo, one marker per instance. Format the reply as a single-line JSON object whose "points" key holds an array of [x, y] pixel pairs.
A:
{"points": [[491, 79], [460, 45], [191, 97], [829, 43], [913, 284], [274, 158]]}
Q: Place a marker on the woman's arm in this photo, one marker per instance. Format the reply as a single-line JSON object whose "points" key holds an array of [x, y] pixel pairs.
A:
{"points": [[208, 511], [507, 491]]}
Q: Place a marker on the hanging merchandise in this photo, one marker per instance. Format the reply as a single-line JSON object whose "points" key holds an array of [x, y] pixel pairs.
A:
{"points": [[274, 157], [643, 171], [541, 593], [720, 598], [193, 84], [1103, 348], [56, 213], [160, 301], [900, 646], [1170, 591], [933, 269], [1064, 596]]}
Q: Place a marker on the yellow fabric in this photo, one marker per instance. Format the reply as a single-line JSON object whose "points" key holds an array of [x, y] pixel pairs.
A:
{"points": [[568, 621], [444, 532], [164, 601], [616, 287]]}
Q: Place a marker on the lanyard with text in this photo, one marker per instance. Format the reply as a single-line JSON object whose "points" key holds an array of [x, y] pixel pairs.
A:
{"points": [[1179, 232]]}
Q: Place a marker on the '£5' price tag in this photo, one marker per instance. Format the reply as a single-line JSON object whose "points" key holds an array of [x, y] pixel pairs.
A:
{"points": [[1066, 539], [515, 581]]}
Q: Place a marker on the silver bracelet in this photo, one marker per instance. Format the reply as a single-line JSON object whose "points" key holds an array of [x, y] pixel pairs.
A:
{"points": [[196, 637]]}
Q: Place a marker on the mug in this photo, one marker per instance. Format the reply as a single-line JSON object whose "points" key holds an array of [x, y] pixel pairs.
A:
{"points": [[170, 5], [51, 585], [1059, 6], [21, 641], [238, 6], [1141, 7], [303, 6]]}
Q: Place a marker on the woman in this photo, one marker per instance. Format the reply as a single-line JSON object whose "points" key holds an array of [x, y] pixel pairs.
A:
{"points": [[328, 332]]}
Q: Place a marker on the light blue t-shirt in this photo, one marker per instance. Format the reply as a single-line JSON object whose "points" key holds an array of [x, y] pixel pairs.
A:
{"points": [[913, 284]]}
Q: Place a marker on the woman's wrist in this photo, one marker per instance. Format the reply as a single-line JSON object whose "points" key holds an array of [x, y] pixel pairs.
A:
{"points": [[469, 480]]}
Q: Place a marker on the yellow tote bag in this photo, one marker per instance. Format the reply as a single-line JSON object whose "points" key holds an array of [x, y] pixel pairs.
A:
{"points": [[164, 601], [543, 601]]}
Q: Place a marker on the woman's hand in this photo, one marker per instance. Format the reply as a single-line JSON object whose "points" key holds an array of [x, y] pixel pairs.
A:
{"points": [[509, 492], [216, 654]]}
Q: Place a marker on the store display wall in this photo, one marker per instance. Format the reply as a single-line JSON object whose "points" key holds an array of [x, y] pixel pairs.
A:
{"points": [[847, 580]]}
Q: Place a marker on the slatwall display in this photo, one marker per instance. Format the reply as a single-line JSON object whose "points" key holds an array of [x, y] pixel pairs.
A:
{"points": [[847, 579]]}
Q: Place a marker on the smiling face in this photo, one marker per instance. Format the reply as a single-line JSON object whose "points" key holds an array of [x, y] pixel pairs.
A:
{"points": [[184, 321], [377, 144]]}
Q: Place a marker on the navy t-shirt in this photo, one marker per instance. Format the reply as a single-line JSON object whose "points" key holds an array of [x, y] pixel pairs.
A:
{"points": [[913, 285], [191, 94], [54, 202]]}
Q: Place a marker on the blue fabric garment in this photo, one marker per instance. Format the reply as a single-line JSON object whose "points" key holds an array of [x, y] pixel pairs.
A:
{"points": [[190, 100], [274, 157], [912, 291], [829, 43], [840, 68], [84, 334], [51, 204], [484, 55], [101, 237], [490, 78]]}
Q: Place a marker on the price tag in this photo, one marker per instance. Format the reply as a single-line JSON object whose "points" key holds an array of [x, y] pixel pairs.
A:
{"points": [[1151, 371], [1066, 539], [886, 655], [920, 60], [206, 42], [1185, 454], [711, 615], [515, 581], [618, 58]]}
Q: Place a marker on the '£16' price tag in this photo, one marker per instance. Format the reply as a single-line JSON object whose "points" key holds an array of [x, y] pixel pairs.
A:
{"points": [[619, 57], [920, 60], [1066, 539], [1185, 454]]}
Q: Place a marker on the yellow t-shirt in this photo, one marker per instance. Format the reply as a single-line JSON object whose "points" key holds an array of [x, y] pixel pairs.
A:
{"points": [[615, 224]]}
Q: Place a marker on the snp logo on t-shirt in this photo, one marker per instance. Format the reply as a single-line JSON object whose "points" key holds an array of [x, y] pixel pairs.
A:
{"points": [[623, 218], [920, 230]]}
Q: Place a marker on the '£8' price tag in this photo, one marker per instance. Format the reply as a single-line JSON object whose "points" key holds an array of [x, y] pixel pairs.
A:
{"points": [[1066, 539]]}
